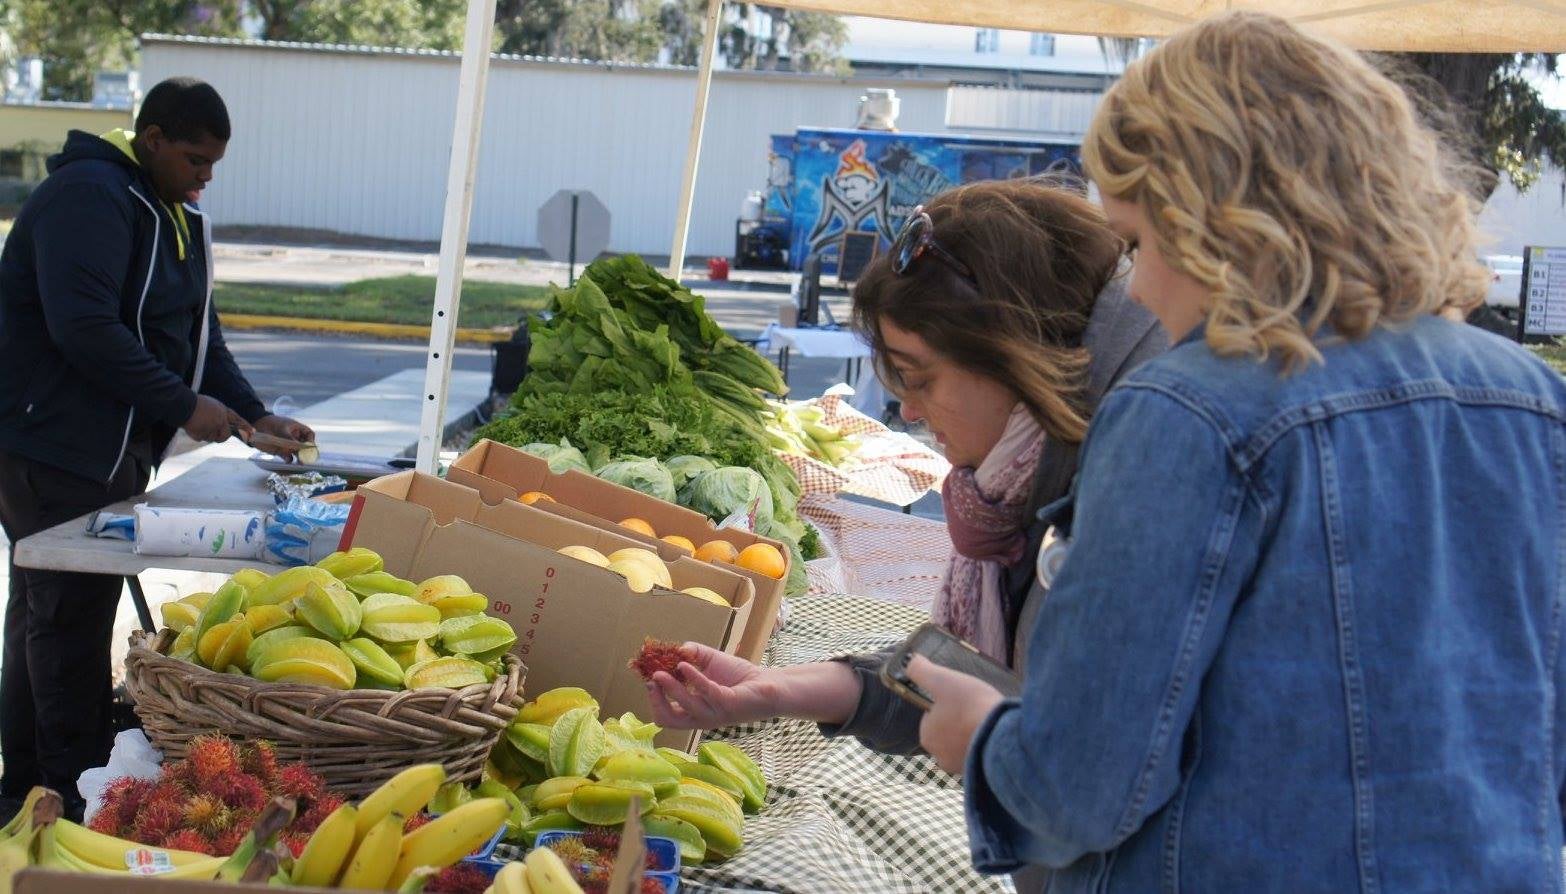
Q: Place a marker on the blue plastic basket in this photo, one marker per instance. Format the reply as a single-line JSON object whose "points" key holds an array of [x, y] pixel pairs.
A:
{"points": [[665, 853]]}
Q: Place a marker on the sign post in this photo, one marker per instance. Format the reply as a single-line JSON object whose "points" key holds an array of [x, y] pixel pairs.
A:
{"points": [[1543, 299]]}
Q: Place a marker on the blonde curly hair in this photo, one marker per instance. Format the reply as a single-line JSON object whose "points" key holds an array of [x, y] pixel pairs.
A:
{"points": [[1291, 179]]}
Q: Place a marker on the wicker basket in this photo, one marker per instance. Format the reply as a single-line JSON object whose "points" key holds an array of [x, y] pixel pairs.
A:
{"points": [[354, 739]]}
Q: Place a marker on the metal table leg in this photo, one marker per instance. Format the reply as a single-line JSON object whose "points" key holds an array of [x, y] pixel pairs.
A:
{"points": [[139, 599]]}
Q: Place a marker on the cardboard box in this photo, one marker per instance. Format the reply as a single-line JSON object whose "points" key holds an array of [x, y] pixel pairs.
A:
{"points": [[45, 881], [577, 624], [501, 473]]}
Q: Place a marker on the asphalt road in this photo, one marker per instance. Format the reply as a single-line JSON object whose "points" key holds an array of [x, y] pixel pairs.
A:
{"points": [[311, 368]]}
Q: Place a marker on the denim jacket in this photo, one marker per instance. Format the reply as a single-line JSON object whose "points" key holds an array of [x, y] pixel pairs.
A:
{"points": [[1307, 637]]}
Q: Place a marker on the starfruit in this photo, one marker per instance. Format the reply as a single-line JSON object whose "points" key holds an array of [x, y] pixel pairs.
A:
{"points": [[288, 585], [352, 563], [627, 733], [720, 831], [409, 654], [554, 794], [305, 660], [449, 797], [554, 821], [280, 634], [250, 578], [367, 585], [391, 618], [693, 848], [372, 665], [576, 742], [462, 605], [450, 672], [441, 586], [478, 636], [224, 604], [608, 804], [640, 766], [332, 610], [710, 775], [530, 739], [263, 618], [738, 764], [490, 788], [549, 706], [677, 757], [199, 600], [184, 646], [697, 790], [177, 616], [526, 792], [224, 644]]}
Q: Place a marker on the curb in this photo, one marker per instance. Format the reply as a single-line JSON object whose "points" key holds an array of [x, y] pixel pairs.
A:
{"points": [[241, 322]]}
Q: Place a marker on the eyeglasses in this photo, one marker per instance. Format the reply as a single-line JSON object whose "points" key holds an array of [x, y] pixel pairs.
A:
{"points": [[916, 239]]}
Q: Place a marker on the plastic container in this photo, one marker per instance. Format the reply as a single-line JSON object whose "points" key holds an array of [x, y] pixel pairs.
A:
{"points": [[664, 851]]}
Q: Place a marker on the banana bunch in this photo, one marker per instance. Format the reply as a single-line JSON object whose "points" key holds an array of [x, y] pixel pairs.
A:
{"points": [[573, 770], [799, 428], [342, 623], [362, 846], [38, 836], [541, 872]]}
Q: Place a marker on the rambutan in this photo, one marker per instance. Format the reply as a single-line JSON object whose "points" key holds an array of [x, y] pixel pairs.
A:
{"points": [[319, 810], [297, 781], [156, 821], [133, 796], [239, 791], [228, 842], [106, 821], [259, 759], [415, 821], [573, 851], [459, 878], [190, 840], [295, 840], [211, 758], [658, 655], [208, 815], [602, 838]]}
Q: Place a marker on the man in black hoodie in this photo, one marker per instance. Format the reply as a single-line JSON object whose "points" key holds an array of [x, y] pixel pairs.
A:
{"points": [[109, 344]]}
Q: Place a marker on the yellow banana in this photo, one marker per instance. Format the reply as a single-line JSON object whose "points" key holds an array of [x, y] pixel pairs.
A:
{"points": [[453, 836], [511, 879], [328, 849], [547, 874], [113, 853], [375, 857], [406, 793], [24, 817]]}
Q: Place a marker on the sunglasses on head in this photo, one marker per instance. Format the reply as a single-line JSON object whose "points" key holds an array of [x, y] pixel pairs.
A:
{"points": [[917, 239]]}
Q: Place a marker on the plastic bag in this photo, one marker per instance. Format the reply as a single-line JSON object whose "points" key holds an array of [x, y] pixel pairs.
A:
{"points": [[132, 756], [303, 532]]}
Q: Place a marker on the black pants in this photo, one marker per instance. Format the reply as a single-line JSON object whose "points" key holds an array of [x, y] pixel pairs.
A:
{"points": [[54, 678]]}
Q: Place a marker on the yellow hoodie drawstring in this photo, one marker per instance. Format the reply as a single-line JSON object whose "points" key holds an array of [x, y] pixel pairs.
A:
{"points": [[121, 138]]}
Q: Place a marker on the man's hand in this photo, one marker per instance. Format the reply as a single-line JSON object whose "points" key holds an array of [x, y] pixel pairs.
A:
{"points": [[960, 704], [211, 421], [283, 427]]}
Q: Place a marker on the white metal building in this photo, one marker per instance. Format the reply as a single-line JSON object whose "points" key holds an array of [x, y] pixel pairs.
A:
{"points": [[356, 140]]}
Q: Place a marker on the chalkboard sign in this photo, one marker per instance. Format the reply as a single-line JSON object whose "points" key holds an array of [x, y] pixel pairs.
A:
{"points": [[859, 250], [1543, 299]]}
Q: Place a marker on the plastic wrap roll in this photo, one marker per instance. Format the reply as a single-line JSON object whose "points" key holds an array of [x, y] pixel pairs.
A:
{"points": [[208, 533]]}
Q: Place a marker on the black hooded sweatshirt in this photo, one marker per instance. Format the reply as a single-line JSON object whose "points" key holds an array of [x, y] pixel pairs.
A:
{"points": [[107, 329]]}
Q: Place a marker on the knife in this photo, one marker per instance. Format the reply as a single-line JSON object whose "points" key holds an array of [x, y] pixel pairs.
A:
{"points": [[304, 453]]}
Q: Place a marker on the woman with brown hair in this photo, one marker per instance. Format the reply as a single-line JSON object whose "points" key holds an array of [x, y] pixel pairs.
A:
{"points": [[1308, 634], [1000, 320]]}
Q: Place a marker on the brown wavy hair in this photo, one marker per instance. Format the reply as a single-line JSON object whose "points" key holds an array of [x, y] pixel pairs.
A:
{"points": [[1291, 179], [1041, 253]]}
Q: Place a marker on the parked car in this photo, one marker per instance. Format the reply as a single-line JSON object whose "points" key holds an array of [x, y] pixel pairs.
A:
{"points": [[1506, 280]]}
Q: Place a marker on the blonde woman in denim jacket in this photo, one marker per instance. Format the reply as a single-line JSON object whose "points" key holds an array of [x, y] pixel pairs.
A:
{"points": [[1308, 635]]}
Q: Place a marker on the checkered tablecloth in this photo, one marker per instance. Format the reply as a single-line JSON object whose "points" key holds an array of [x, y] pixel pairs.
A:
{"points": [[839, 817], [876, 552], [889, 466]]}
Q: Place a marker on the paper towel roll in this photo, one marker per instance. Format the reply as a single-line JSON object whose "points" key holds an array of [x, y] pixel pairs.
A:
{"points": [[208, 533]]}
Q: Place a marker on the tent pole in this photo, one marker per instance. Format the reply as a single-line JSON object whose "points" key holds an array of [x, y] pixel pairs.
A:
{"points": [[682, 223], [454, 227]]}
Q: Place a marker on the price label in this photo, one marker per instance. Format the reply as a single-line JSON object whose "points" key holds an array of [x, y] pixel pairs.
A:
{"points": [[1544, 304]]}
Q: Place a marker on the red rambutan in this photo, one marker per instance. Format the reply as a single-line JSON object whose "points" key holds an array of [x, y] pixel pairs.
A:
{"points": [[415, 821], [156, 821], [658, 655], [602, 838], [228, 842], [190, 840], [295, 841], [459, 878], [211, 758], [208, 815], [319, 810], [299, 782], [259, 759], [135, 794], [241, 792]]}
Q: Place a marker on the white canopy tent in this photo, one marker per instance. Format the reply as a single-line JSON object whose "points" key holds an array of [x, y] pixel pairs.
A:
{"points": [[1491, 26]]}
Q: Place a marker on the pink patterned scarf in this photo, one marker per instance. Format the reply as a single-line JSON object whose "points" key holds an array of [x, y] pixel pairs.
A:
{"points": [[986, 514]]}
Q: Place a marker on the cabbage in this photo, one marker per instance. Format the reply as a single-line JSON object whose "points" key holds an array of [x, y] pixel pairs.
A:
{"points": [[561, 456], [646, 475], [684, 468], [722, 492]]}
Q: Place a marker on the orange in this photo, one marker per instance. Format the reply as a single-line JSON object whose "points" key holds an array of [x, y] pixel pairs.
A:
{"points": [[717, 551], [762, 558], [638, 525], [681, 542], [533, 496]]}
